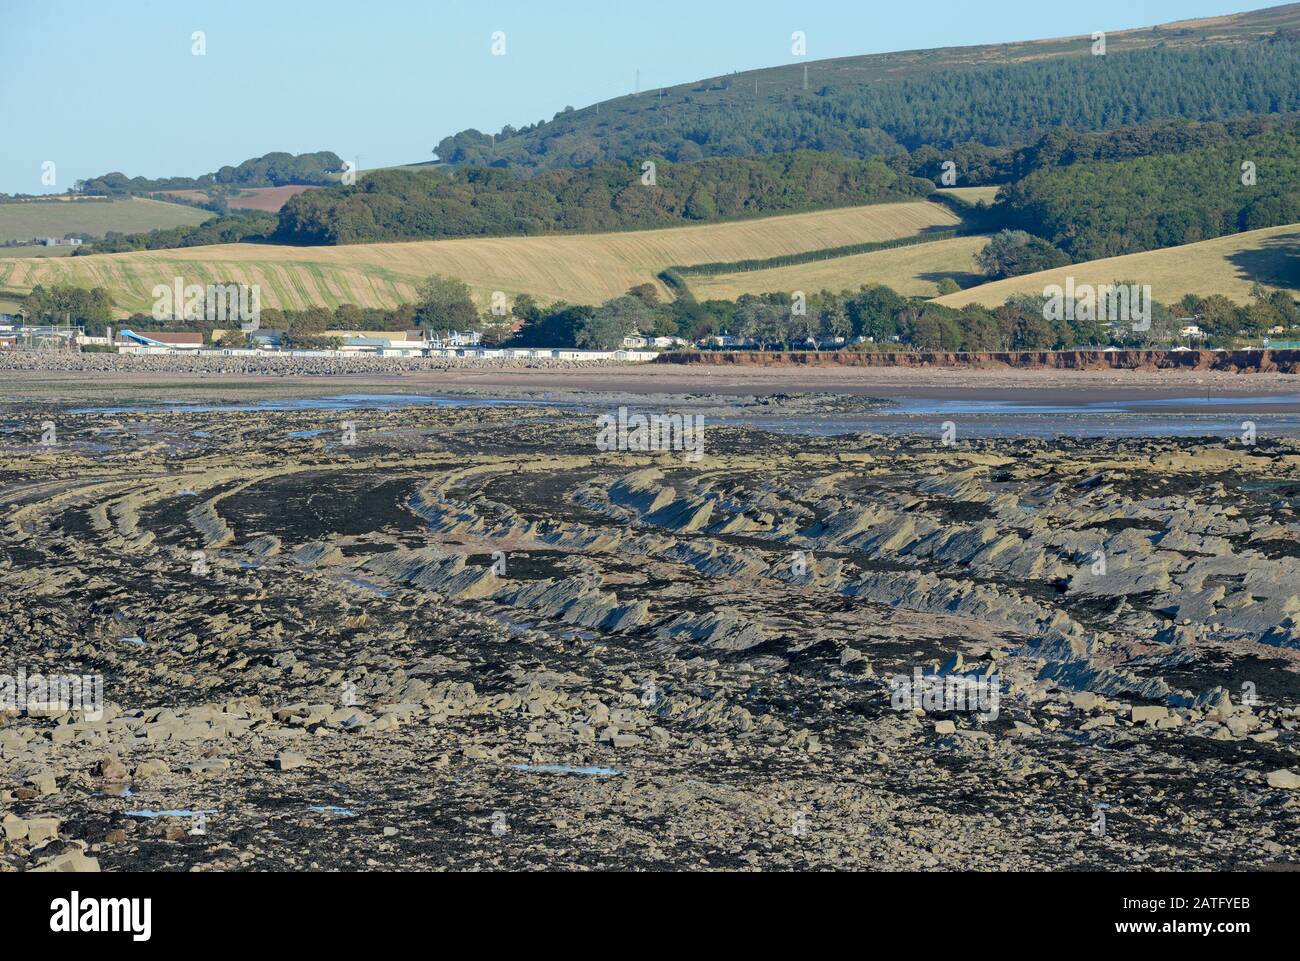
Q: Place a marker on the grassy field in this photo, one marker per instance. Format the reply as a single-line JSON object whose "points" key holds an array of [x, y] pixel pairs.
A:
{"points": [[582, 268], [972, 195], [55, 218], [915, 271], [1225, 265], [36, 250]]}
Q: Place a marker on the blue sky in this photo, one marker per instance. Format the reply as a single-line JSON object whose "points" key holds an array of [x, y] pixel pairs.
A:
{"points": [[97, 86]]}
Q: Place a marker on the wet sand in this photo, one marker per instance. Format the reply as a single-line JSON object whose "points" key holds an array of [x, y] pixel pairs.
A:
{"points": [[1037, 387]]}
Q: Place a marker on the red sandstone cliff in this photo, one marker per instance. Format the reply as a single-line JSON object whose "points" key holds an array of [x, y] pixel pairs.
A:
{"points": [[1283, 361]]}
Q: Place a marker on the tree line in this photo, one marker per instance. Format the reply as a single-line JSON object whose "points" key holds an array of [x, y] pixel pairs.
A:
{"points": [[430, 204], [276, 169], [883, 318]]}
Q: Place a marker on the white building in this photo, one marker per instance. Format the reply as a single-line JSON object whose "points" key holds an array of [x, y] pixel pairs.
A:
{"points": [[453, 338], [668, 343], [542, 353]]}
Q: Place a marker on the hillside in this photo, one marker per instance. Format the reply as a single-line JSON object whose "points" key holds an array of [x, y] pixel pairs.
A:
{"points": [[972, 195], [36, 250], [576, 268], [1224, 265], [265, 199], [864, 106], [55, 218], [914, 271]]}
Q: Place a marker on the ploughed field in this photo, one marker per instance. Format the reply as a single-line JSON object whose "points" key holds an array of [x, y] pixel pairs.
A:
{"points": [[269, 199], [466, 637]]}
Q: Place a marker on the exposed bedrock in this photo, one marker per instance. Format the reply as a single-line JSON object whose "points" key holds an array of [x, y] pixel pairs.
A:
{"points": [[472, 611]]}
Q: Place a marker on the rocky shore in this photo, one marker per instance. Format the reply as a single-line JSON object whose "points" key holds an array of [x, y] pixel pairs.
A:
{"points": [[467, 638]]}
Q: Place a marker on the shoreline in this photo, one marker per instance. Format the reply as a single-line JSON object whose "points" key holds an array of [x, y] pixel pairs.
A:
{"points": [[1032, 386]]}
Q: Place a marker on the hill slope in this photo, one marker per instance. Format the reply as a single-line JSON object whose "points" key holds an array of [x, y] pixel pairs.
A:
{"points": [[869, 105], [55, 218], [1224, 265], [580, 268], [913, 271], [265, 199]]}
